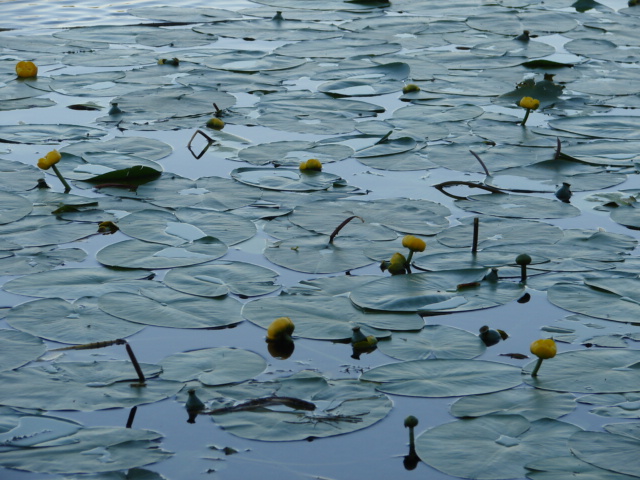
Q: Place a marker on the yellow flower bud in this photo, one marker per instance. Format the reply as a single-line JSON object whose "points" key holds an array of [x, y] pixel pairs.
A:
{"points": [[215, 123], [530, 103], [414, 244], [544, 348], [410, 88], [311, 164], [397, 264], [26, 69], [280, 329], [49, 159]]}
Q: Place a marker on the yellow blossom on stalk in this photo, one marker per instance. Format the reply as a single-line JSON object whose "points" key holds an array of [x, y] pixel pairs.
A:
{"points": [[49, 160], [280, 329], [544, 348], [397, 264], [215, 123], [529, 103], [26, 69], [414, 244], [311, 164]]}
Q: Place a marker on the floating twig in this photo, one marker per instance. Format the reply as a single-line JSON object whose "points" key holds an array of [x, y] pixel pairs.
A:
{"points": [[291, 402], [455, 183]]}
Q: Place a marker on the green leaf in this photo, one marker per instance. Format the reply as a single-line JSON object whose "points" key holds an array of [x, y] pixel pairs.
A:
{"points": [[437, 341], [443, 378], [495, 446], [588, 371], [213, 366]]}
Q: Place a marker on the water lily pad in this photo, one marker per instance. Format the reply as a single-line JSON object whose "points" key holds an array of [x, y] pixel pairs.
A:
{"points": [[314, 254], [497, 446], [570, 467], [82, 386], [36, 260], [61, 321], [148, 148], [186, 225], [609, 126], [432, 292], [418, 217], [31, 430], [285, 179], [291, 153], [531, 403], [47, 134], [139, 254], [443, 378], [217, 279], [608, 370], [609, 451], [213, 366], [518, 206], [611, 303], [43, 230], [165, 307], [18, 348], [342, 406], [494, 231], [14, 207], [90, 450], [71, 283], [433, 341], [325, 318]]}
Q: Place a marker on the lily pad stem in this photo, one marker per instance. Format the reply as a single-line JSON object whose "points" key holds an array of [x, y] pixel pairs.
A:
{"points": [[486, 170], [67, 188], [141, 379], [526, 117], [342, 225], [476, 223], [534, 372]]}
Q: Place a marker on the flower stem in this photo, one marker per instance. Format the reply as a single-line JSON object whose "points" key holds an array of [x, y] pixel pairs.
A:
{"points": [[526, 117], [67, 188], [534, 373]]}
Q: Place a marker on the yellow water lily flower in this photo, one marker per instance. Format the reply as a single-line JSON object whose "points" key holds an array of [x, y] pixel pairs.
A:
{"points": [[280, 329], [414, 244], [397, 264], [543, 349], [529, 103], [410, 88], [312, 164], [50, 159], [215, 123], [26, 69]]}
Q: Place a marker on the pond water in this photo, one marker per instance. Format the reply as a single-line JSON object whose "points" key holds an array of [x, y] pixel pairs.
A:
{"points": [[446, 93]]}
